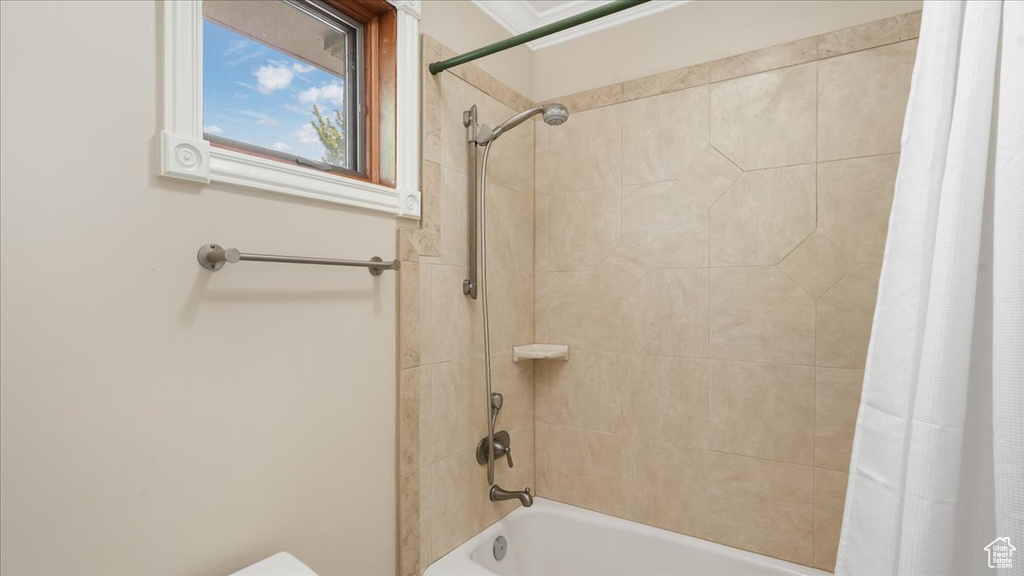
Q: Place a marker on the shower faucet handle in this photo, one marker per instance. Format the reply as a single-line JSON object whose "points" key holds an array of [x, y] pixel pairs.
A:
{"points": [[502, 446]]}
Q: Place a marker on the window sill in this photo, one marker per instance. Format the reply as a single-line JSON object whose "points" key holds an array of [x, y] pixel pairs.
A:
{"points": [[246, 170], [196, 160]]}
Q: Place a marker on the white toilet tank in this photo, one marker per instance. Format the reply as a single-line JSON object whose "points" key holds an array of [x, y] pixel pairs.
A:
{"points": [[280, 564]]}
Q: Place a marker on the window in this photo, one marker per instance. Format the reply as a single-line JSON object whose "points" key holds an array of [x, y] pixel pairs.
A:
{"points": [[288, 80], [258, 97], [300, 97]]}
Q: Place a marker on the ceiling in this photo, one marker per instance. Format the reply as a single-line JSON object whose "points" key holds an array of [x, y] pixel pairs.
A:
{"points": [[518, 16], [541, 6]]}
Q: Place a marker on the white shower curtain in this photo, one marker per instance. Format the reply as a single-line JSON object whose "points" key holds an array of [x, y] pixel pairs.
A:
{"points": [[937, 471]]}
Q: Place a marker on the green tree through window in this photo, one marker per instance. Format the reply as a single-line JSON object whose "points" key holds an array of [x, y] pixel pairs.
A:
{"points": [[331, 132]]}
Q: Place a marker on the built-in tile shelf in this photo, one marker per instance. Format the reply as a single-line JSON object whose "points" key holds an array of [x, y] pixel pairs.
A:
{"points": [[540, 352]]}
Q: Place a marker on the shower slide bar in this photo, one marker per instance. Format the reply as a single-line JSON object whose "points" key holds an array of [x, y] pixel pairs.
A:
{"points": [[213, 257], [546, 30]]}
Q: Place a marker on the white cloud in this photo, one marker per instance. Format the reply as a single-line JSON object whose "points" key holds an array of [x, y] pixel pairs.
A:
{"points": [[273, 77], [260, 117], [236, 46], [307, 135], [292, 108], [302, 68], [279, 146], [214, 129], [243, 95], [240, 51], [333, 93]]}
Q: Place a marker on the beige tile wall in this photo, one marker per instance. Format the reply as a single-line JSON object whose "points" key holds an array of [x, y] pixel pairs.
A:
{"points": [[708, 242], [442, 401]]}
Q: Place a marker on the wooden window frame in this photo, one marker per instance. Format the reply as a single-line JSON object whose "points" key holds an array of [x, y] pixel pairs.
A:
{"points": [[380, 37], [392, 115]]}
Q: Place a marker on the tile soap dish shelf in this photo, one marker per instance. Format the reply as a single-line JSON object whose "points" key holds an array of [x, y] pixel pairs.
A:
{"points": [[540, 352]]}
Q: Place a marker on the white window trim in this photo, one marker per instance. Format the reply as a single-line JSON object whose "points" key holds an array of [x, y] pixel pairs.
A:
{"points": [[186, 155]]}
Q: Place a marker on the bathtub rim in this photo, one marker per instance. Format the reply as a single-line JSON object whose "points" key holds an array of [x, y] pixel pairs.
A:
{"points": [[459, 561]]}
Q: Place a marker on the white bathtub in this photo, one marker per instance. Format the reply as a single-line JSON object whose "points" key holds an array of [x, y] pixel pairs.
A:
{"points": [[554, 539]]}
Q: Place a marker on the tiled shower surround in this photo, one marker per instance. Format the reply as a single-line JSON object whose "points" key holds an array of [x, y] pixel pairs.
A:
{"points": [[708, 242], [442, 400]]}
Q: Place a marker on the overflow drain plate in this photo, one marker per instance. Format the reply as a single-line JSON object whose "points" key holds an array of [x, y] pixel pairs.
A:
{"points": [[500, 547]]}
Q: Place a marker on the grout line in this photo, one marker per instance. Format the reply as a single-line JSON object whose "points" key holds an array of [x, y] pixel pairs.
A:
{"points": [[813, 507], [794, 281], [707, 424], [796, 165], [773, 69], [830, 469], [724, 155], [746, 266], [763, 459], [817, 123], [896, 153], [707, 415], [622, 139], [817, 169], [804, 239], [833, 56]]}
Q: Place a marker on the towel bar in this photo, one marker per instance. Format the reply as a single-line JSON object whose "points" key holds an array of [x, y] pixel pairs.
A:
{"points": [[213, 257]]}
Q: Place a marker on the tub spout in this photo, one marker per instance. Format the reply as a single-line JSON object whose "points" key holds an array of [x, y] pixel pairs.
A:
{"points": [[498, 493]]}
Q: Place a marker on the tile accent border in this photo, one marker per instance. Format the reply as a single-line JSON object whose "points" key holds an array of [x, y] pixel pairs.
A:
{"points": [[416, 240], [854, 39], [474, 75]]}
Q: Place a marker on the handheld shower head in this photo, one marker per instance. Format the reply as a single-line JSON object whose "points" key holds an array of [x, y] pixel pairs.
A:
{"points": [[553, 114], [496, 401]]}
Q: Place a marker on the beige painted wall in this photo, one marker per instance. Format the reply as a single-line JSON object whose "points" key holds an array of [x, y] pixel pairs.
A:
{"points": [[708, 244], [692, 33], [461, 26], [156, 418]]}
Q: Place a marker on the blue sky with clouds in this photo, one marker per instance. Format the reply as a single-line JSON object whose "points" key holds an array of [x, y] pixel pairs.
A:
{"points": [[255, 94]]}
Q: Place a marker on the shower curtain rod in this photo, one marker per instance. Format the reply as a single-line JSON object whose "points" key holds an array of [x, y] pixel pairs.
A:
{"points": [[546, 30]]}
